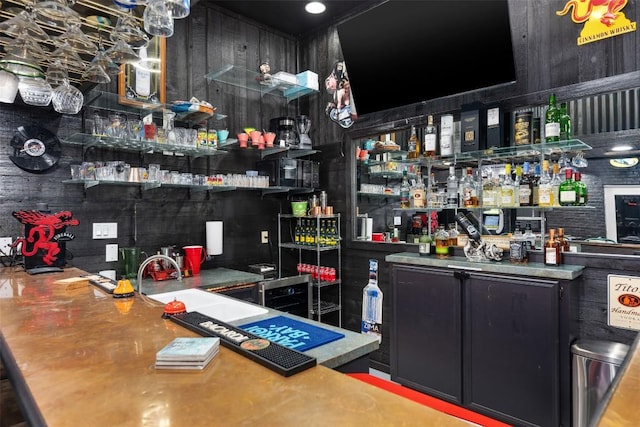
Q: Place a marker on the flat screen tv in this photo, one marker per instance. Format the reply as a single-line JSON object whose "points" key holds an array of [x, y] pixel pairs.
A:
{"points": [[403, 52]]}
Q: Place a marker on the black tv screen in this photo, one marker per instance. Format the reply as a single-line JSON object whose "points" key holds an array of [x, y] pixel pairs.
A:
{"points": [[403, 52]]}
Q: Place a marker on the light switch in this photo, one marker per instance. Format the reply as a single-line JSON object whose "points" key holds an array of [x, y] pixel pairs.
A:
{"points": [[111, 253], [105, 230]]}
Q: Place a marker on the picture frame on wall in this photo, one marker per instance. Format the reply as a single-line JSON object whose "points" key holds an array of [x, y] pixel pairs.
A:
{"points": [[143, 84]]}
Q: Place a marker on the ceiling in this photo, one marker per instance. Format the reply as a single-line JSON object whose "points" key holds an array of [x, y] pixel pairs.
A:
{"points": [[289, 16]]}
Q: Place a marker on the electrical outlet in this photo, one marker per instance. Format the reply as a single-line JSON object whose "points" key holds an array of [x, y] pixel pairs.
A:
{"points": [[397, 220], [264, 236], [5, 245], [111, 253]]}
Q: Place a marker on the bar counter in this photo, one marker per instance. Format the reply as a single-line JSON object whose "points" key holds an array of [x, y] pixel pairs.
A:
{"points": [[80, 356]]}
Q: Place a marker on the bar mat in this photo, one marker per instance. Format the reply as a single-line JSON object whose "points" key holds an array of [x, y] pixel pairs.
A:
{"points": [[291, 333]]}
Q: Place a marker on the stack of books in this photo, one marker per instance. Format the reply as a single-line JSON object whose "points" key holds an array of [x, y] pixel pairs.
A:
{"points": [[187, 353]]}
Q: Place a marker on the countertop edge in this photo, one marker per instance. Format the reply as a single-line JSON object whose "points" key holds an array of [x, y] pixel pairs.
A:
{"points": [[563, 272]]}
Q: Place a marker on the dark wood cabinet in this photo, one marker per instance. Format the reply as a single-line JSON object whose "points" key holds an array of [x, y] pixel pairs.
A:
{"points": [[496, 344]]}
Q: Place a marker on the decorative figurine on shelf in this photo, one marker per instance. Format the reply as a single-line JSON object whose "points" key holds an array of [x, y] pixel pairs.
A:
{"points": [[265, 69], [477, 250]]}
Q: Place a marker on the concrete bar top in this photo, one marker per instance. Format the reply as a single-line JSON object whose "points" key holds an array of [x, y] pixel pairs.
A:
{"points": [[78, 356], [532, 269]]}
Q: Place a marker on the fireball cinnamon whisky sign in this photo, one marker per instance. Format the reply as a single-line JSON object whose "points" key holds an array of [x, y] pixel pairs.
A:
{"points": [[602, 18]]}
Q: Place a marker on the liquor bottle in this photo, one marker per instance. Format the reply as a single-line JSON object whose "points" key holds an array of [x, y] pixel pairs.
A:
{"points": [[535, 180], [452, 188], [447, 134], [529, 236], [552, 121], [442, 242], [430, 138], [453, 234], [525, 190], [432, 192], [507, 189], [413, 146], [567, 191], [424, 242], [419, 192], [564, 243], [552, 254], [516, 183], [518, 252], [143, 76], [581, 189], [555, 184], [545, 193], [298, 232], [565, 123], [468, 190], [489, 190], [405, 192], [372, 304]]}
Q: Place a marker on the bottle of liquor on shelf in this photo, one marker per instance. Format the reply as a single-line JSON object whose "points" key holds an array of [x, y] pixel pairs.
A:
{"points": [[419, 192], [507, 189], [452, 188], [432, 192], [567, 191], [489, 190], [535, 183], [552, 121], [518, 252], [442, 242], [413, 146], [405, 192], [552, 254], [453, 235], [564, 243], [529, 236], [372, 304], [424, 242], [525, 189], [555, 184], [468, 190], [565, 123], [581, 189], [430, 139], [545, 193], [446, 135]]}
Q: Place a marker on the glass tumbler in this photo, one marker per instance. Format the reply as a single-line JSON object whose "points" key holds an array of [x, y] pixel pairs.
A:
{"points": [[157, 19]]}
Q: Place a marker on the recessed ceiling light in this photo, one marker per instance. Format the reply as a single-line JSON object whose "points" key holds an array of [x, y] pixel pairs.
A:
{"points": [[628, 162], [315, 7], [622, 148]]}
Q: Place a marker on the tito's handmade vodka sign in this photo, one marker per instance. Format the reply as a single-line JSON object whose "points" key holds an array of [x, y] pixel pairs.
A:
{"points": [[624, 301]]}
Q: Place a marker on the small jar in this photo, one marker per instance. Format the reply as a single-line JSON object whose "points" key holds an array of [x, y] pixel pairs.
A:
{"points": [[442, 242]]}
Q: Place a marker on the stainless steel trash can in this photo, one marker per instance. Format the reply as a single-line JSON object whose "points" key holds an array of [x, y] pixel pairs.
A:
{"points": [[594, 367]]}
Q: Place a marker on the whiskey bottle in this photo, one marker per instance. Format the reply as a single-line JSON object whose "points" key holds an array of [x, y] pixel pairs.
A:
{"points": [[564, 243], [552, 121], [565, 123], [405, 192], [413, 146], [581, 189], [430, 137], [567, 191], [489, 190], [552, 254], [419, 192]]}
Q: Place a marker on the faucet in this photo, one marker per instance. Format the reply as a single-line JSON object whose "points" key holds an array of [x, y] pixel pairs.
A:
{"points": [[147, 261]]}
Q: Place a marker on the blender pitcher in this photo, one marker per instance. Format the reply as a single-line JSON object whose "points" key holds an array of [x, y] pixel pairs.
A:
{"points": [[303, 124]]}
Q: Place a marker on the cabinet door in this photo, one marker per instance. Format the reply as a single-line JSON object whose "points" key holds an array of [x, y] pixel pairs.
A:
{"points": [[426, 341], [511, 348]]}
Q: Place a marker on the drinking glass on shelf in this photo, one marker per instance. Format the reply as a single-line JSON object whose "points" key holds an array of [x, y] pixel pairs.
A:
{"points": [[67, 99]]}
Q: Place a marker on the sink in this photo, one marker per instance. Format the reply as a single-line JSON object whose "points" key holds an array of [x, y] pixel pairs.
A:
{"points": [[225, 309]]}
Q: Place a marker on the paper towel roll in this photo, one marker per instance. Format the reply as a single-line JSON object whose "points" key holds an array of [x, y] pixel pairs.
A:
{"points": [[214, 237]]}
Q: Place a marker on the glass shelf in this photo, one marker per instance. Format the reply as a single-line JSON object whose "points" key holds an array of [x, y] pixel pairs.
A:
{"points": [[114, 102], [152, 185], [123, 144], [252, 80], [513, 152], [379, 195], [308, 247]]}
